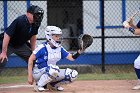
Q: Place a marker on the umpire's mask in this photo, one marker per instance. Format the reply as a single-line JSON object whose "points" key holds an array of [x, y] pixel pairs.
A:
{"points": [[37, 14]]}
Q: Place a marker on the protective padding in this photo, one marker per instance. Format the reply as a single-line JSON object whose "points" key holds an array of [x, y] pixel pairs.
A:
{"points": [[52, 70], [45, 75], [44, 80], [65, 76], [70, 74]]}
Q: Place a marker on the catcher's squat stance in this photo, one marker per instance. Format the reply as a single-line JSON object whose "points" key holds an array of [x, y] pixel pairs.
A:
{"points": [[135, 29], [42, 63]]}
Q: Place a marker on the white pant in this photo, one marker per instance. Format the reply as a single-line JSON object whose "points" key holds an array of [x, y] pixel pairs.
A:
{"points": [[37, 73], [67, 75], [137, 62]]}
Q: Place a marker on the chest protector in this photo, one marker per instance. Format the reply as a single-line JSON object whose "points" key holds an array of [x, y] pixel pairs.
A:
{"points": [[54, 55]]}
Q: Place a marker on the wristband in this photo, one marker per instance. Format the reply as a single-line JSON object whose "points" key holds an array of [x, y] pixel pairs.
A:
{"points": [[131, 30], [75, 55]]}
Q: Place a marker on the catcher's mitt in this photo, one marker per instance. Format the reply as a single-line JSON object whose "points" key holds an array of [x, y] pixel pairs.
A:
{"points": [[84, 41]]}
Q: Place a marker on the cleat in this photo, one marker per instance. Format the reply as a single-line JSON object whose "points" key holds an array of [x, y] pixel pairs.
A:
{"points": [[137, 87], [38, 88], [56, 88], [60, 88]]}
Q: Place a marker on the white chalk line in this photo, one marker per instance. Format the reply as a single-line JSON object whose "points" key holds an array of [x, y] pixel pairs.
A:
{"points": [[16, 86]]}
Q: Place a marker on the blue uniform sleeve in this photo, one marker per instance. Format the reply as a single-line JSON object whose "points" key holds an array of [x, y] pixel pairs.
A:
{"points": [[64, 53], [39, 52], [138, 24]]}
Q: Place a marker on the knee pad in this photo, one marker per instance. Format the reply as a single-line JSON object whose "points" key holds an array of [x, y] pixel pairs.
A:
{"points": [[70, 75], [52, 70]]}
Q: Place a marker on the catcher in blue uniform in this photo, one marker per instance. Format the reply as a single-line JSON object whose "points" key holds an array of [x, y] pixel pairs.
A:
{"points": [[42, 63]]}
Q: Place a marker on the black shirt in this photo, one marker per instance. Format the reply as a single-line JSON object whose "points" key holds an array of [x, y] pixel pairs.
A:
{"points": [[20, 31]]}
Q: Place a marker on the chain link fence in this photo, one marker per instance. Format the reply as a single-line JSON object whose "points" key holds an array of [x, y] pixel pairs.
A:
{"points": [[75, 17]]}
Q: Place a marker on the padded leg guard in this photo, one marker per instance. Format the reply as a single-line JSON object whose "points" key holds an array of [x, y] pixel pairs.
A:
{"points": [[51, 70], [65, 76], [46, 74], [44, 80]]}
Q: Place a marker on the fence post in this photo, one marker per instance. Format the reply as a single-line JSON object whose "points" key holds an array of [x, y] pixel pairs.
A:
{"points": [[103, 39], [5, 14]]}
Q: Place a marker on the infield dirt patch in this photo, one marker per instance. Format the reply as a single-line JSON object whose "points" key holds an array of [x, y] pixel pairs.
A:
{"points": [[94, 86]]}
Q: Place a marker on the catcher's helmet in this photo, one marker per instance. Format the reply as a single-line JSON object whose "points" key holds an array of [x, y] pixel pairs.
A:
{"points": [[37, 13], [51, 30]]}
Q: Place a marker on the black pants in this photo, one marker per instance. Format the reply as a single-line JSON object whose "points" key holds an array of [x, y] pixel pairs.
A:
{"points": [[23, 52]]}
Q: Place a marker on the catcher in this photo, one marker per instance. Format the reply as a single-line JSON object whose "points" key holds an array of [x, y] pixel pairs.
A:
{"points": [[135, 29], [42, 63]]}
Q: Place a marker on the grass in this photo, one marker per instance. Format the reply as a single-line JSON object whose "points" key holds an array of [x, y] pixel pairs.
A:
{"points": [[115, 72], [89, 76], [118, 76], [13, 79]]}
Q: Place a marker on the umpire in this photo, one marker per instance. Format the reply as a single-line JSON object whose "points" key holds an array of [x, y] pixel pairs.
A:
{"points": [[20, 36]]}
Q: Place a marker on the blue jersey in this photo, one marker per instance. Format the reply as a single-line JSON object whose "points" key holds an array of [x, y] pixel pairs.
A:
{"points": [[46, 55], [138, 24]]}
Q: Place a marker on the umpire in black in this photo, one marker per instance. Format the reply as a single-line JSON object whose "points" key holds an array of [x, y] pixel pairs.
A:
{"points": [[20, 36]]}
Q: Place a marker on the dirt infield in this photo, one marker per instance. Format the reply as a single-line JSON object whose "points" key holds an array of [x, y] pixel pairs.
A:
{"points": [[95, 86]]}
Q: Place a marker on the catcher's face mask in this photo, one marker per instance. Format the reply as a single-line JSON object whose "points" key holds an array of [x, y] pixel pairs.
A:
{"points": [[53, 35], [57, 38]]}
